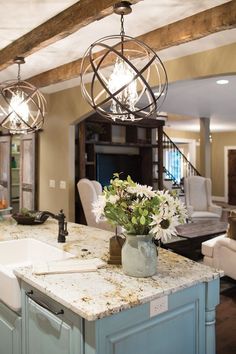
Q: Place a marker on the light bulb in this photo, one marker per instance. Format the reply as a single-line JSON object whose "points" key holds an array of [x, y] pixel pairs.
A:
{"points": [[222, 82], [18, 107], [18, 112], [122, 74]]}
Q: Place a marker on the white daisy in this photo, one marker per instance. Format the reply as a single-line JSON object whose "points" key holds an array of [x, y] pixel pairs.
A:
{"points": [[98, 207], [181, 210], [113, 199], [164, 229], [142, 191]]}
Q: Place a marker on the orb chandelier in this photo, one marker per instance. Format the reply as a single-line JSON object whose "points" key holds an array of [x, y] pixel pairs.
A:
{"points": [[22, 105], [123, 69]]}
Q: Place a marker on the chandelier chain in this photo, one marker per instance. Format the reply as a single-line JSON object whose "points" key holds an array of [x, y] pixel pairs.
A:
{"points": [[122, 31], [18, 74]]}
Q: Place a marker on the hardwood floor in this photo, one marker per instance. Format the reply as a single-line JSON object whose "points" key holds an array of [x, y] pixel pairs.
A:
{"points": [[226, 318], [226, 310]]}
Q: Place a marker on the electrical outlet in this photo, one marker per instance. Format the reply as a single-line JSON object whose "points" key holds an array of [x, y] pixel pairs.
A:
{"points": [[62, 184], [158, 306], [52, 183]]}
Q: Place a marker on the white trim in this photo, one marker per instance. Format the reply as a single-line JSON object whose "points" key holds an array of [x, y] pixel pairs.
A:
{"points": [[218, 199], [226, 149]]}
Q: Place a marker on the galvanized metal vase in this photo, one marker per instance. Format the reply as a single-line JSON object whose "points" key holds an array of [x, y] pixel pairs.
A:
{"points": [[139, 256]]}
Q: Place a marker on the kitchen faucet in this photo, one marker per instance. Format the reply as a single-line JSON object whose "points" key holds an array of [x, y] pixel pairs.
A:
{"points": [[62, 224]]}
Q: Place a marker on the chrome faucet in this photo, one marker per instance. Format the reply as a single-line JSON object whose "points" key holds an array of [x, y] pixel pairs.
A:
{"points": [[62, 224]]}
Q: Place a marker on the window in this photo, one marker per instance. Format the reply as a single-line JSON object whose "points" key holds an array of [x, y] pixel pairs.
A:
{"points": [[174, 165]]}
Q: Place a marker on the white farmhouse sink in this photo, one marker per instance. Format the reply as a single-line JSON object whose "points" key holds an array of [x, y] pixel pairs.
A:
{"points": [[21, 253]]}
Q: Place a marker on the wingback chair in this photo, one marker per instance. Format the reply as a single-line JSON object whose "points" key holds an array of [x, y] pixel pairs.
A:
{"points": [[89, 192], [198, 199]]}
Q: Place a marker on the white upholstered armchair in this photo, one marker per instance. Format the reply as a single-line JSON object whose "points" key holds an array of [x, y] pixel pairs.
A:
{"points": [[198, 199], [89, 192]]}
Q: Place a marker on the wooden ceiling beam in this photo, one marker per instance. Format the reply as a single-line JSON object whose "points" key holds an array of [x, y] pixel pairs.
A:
{"points": [[202, 24], [60, 26]]}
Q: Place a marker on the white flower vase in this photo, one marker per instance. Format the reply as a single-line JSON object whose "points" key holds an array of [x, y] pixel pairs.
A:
{"points": [[139, 256]]}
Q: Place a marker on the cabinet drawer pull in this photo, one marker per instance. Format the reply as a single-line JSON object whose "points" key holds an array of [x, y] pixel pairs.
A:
{"points": [[42, 304]]}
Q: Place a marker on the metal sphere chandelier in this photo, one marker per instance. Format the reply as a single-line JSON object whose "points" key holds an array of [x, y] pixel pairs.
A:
{"points": [[122, 68], [21, 104]]}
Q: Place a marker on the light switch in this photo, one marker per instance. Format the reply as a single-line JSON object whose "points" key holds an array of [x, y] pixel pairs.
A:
{"points": [[52, 183], [158, 306], [62, 184]]}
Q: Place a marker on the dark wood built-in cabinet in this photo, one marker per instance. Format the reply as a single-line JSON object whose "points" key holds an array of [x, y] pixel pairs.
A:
{"points": [[100, 142]]}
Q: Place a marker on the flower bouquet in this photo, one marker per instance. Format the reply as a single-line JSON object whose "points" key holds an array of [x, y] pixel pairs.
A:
{"points": [[145, 215], [139, 209]]}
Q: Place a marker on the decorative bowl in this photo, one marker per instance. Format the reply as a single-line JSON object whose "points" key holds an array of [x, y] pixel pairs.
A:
{"points": [[28, 219]]}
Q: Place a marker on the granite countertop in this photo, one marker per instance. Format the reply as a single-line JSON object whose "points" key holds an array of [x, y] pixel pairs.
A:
{"points": [[94, 295]]}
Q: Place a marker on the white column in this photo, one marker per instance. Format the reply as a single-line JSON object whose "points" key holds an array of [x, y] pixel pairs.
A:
{"points": [[205, 147]]}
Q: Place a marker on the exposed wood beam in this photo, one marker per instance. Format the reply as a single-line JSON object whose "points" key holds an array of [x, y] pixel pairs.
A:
{"points": [[202, 24], [61, 73], [60, 26], [219, 18]]}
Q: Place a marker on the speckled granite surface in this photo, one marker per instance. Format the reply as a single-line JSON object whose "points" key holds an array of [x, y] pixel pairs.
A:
{"points": [[98, 294]]}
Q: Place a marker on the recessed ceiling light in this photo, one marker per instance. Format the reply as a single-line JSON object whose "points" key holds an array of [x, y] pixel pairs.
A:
{"points": [[222, 82]]}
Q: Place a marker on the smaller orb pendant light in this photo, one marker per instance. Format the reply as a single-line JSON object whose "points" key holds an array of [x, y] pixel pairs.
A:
{"points": [[21, 104], [123, 70]]}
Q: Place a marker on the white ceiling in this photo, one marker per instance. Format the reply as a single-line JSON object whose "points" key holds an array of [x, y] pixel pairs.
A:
{"points": [[202, 98], [21, 16]]}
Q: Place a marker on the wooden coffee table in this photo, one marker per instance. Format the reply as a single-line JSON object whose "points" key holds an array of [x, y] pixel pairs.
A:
{"points": [[193, 235]]}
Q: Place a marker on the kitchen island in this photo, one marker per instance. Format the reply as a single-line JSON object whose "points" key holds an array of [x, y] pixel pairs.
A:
{"points": [[107, 312]]}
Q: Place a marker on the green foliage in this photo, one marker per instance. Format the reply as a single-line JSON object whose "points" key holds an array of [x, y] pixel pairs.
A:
{"points": [[130, 211], [139, 209], [27, 212]]}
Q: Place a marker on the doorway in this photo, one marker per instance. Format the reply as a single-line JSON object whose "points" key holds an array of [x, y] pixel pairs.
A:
{"points": [[18, 170], [232, 177]]}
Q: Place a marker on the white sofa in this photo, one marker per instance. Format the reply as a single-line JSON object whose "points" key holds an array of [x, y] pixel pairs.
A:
{"points": [[198, 199], [220, 252]]}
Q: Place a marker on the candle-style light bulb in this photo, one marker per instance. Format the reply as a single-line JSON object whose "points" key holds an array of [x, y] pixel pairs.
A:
{"points": [[121, 76], [18, 111]]}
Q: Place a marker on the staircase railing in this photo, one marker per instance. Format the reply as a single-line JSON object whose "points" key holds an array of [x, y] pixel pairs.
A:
{"points": [[177, 161], [169, 175]]}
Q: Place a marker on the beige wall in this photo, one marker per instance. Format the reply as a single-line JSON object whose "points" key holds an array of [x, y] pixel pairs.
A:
{"points": [[56, 151], [181, 134], [212, 62], [65, 107]]}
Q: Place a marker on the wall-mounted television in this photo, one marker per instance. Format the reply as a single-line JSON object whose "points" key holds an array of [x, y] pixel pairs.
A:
{"points": [[108, 164]]}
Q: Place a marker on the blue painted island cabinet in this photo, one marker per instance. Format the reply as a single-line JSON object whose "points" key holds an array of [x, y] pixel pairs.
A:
{"points": [[10, 331], [48, 327], [185, 326]]}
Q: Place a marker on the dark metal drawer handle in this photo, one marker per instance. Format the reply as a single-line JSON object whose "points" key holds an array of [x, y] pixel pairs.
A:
{"points": [[42, 304]]}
